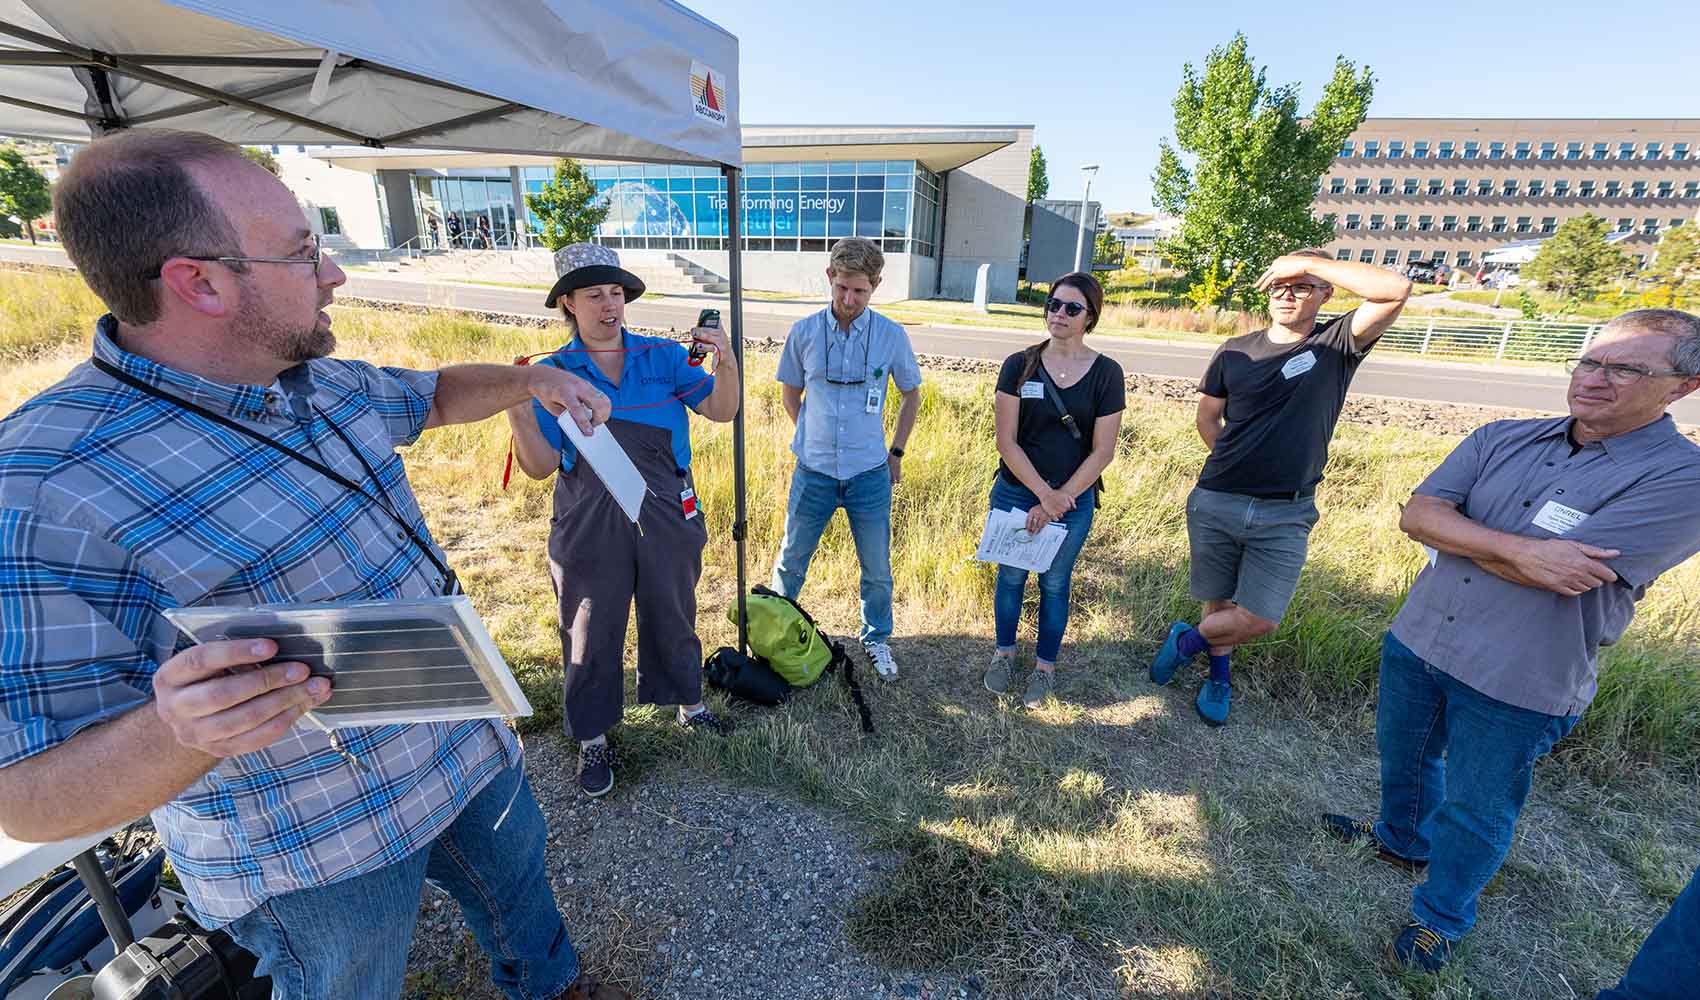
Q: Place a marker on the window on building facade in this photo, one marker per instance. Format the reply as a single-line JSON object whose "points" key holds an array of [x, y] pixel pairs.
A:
{"points": [[1561, 189], [1625, 225], [1354, 221], [1691, 189], [1473, 224], [1411, 184], [1522, 151], [1464, 258], [1446, 149], [1509, 188], [1626, 151], [1679, 220], [1472, 150], [1573, 151], [1420, 150], [1549, 224], [1549, 150], [1346, 150], [1366, 256], [1666, 189], [1654, 150], [1496, 150], [1389, 258], [1524, 224], [1638, 189], [1377, 223], [1650, 227], [1586, 190], [1460, 188], [1360, 186], [1436, 187], [1344, 253], [1413, 255], [1395, 149], [1401, 222], [1372, 149], [1499, 223], [1679, 151], [1448, 223], [1600, 149], [1438, 256], [1640, 261], [1614, 189], [1386, 185], [1484, 187], [1336, 185], [1425, 223], [1537, 187]]}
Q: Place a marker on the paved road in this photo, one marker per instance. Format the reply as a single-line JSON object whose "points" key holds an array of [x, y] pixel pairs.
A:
{"points": [[1389, 375]]}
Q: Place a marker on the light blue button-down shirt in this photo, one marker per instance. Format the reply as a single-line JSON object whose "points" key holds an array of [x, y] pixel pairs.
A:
{"points": [[836, 434]]}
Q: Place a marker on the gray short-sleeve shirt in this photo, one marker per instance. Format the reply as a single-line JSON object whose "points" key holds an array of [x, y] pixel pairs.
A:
{"points": [[1530, 647]]}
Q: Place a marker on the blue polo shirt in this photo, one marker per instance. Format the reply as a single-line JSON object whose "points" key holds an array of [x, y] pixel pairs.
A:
{"points": [[656, 370]]}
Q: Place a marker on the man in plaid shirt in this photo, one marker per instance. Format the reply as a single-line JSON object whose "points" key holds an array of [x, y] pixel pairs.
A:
{"points": [[144, 481]]}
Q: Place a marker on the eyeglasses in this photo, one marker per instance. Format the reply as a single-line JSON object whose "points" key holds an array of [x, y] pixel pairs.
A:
{"points": [[832, 335], [1073, 309], [318, 256], [1294, 291], [1618, 374]]}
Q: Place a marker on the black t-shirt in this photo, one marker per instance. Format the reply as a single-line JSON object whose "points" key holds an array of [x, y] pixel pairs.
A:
{"points": [[1283, 403], [1040, 431]]}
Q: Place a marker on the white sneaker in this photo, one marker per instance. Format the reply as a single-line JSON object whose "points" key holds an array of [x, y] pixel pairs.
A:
{"points": [[884, 665]]}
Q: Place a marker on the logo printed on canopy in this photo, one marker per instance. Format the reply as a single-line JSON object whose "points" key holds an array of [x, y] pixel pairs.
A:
{"points": [[708, 93]]}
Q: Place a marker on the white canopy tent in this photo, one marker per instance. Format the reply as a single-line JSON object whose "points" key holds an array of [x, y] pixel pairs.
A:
{"points": [[1525, 251], [631, 80]]}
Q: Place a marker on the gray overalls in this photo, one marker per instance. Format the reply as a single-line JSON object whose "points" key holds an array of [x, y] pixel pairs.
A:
{"points": [[599, 562]]}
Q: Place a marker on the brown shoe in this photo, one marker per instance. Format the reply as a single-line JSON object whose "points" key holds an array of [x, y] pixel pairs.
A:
{"points": [[587, 988]]}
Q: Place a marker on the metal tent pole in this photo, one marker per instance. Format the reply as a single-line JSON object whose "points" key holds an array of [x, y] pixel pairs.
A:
{"points": [[735, 267]]}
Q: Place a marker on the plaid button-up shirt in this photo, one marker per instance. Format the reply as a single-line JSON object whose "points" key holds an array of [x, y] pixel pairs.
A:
{"points": [[115, 505]]}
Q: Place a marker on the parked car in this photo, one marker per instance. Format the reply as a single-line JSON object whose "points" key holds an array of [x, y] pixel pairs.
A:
{"points": [[1424, 272]]}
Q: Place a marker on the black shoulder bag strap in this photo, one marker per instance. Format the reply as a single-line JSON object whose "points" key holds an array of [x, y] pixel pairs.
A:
{"points": [[1067, 418], [451, 583]]}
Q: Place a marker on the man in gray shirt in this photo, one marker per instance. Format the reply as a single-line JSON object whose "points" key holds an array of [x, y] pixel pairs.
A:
{"points": [[1544, 534]]}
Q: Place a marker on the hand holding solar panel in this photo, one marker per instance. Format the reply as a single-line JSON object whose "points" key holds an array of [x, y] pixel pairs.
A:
{"points": [[216, 700], [426, 660]]}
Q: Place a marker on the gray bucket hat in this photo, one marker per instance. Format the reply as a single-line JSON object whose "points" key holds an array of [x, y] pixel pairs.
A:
{"points": [[581, 265]]}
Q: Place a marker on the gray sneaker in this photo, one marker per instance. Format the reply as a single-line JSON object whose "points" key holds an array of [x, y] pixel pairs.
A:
{"points": [[997, 675], [1039, 686]]}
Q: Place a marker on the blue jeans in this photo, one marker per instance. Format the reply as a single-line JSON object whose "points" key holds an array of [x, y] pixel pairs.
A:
{"points": [[1053, 583], [349, 940], [1668, 964], [866, 499], [1458, 814]]}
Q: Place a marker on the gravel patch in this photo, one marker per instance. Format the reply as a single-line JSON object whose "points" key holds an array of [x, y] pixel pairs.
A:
{"points": [[675, 886]]}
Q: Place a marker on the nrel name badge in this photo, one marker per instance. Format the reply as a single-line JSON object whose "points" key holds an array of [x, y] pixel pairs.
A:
{"points": [[1558, 519], [688, 502], [1299, 364], [1032, 390]]}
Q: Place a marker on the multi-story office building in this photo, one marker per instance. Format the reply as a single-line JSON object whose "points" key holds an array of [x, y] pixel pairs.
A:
{"points": [[1454, 189]]}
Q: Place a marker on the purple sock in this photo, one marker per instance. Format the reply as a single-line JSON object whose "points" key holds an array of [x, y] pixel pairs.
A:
{"points": [[1219, 668], [1191, 643]]}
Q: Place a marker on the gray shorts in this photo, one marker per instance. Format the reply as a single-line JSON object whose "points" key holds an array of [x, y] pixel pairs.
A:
{"points": [[1247, 550]]}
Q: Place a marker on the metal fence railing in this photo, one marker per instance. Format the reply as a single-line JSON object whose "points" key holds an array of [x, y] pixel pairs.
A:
{"points": [[1489, 339]]}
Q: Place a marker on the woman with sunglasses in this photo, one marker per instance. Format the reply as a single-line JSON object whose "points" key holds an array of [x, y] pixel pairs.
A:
{"points": [[1059, 411]]}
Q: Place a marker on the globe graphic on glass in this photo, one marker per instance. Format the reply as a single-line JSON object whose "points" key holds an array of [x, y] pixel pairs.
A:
{"points": [[643, 210]]}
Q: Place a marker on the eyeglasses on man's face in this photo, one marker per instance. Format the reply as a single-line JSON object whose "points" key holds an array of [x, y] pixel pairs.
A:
{"points": [[1293, 290], [1619, 374], [314, 253], [1071, 309]]}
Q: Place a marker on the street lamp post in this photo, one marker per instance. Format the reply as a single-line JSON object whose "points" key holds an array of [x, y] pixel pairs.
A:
{"points": [[1087, 171]]}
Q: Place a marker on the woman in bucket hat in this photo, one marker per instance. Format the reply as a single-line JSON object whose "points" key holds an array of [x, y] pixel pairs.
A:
{"points": [[599, 560]]}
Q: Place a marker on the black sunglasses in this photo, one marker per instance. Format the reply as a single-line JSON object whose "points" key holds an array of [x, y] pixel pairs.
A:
{"points": [[1073, 309]]}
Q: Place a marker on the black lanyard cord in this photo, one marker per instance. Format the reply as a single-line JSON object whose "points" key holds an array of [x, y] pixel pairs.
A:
{"points": [[451, 584]]}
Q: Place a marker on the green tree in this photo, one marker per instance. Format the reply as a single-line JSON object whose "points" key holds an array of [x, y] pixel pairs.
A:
{"points": [[1107, 249], [1675, 270], [568, 209], [263, 157], [1038, 184], [1578, 262], [23, 190], [1255, 158]]}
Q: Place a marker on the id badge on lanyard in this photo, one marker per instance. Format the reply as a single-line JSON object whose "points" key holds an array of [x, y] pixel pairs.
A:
{"points": [[876, 390]]}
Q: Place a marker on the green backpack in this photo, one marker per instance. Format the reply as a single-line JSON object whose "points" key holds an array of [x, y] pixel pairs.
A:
{"points": [[786, 637]]}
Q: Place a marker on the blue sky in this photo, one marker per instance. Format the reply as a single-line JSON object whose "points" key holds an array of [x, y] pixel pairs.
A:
{"points": [[1099, 85]]}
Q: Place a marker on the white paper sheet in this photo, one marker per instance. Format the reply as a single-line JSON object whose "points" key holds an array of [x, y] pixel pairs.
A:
{"points": [[1005, 540], [610, 463]]}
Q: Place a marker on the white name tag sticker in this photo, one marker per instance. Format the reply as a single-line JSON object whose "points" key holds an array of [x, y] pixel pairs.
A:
{"points": [[1432, 554], [1299, 364], [1033, 390], [1558, 519]]}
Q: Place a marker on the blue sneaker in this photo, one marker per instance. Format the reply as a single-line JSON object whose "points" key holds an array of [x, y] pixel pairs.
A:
{"points": [[1213, 700], [1419, 948], [1170, 659]]}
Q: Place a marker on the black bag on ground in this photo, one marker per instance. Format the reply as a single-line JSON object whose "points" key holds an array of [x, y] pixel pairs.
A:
{"points": [[840, 662], [746, 677], [182, 961]]}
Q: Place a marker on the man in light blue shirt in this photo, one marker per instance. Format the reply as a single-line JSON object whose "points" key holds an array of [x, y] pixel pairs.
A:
{"points": [[835, 368]]}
